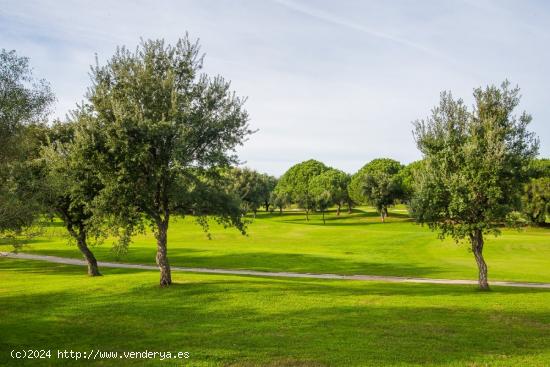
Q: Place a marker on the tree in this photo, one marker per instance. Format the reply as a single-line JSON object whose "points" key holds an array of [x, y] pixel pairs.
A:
{"points": [[536, 200], [379, 184], [268, 185], [71, 186], [339, 181], [252, 187], [160, 134], [294, 184], [24, 106], [279, 199], [475, 165], [327, 189], [536, 195]]}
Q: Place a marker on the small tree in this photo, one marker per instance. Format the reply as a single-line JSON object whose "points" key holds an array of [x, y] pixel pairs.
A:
{"points": [[252, 187], [294, 184], [379, 184], [70, 187], [161, 132], [327, 189], [475, 164], [279, 199], [268, 185]]}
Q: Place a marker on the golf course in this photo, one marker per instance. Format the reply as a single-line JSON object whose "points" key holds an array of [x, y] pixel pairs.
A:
{"points": [[229, 320], [281, 183]]}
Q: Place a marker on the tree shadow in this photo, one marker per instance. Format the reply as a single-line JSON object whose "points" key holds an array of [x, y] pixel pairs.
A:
{"points": [[49, 268], [299, 263], [226, 319], [357, 219]]}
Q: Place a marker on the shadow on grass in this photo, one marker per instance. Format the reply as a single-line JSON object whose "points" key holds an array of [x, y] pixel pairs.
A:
{"points": [[224, 320], [261, 261], [304, 285], [48, 268], [356, 219], [300, 263]]}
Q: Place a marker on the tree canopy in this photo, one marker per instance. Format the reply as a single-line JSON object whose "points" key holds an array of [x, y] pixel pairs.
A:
{"points": [[377, 183], [536, 196], [295, 183], [252, 187], [475, 164], [536, 200], [24, 106], [327, 189]]}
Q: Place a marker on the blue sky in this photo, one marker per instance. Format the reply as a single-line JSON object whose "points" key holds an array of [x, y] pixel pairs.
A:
{"points": [[338, 81]]}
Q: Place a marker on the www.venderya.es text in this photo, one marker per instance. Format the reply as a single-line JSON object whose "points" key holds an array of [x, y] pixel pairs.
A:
{"points": [[94, 354]]}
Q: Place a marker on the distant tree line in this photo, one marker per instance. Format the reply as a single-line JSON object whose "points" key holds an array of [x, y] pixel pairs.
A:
{"points": [[155, 137]]}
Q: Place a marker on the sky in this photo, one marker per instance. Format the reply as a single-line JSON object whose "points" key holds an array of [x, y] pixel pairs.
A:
{"points": [[336, 81]]}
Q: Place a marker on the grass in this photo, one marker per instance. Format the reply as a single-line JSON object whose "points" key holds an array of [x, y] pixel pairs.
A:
{"points": [[349, 244], [248, 321]]}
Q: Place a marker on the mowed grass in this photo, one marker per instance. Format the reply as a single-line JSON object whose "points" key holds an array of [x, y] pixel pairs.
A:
{"points": [[250, 321], [349, 244]]}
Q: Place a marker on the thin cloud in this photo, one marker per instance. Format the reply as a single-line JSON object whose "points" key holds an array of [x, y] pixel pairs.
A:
{"points": [[321, 15]]}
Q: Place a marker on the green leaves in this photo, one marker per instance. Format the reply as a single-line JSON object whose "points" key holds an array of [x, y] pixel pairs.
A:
{"points": [[329, 188], [378, 183], [161, 130], [475, 162], [536, 200], [295, 183], [24, 106], [253, 188]]}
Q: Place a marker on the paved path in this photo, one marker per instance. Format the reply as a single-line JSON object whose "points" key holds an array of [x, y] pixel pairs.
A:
{"points": [[378, 278]]}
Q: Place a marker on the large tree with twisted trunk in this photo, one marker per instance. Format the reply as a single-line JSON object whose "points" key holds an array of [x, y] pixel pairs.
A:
{"points": [[475, 163], [161, 131]]}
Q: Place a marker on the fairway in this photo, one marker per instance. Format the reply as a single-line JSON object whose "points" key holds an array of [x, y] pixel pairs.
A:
{"points": [[274, 184], [348, 244], [247, 321]]}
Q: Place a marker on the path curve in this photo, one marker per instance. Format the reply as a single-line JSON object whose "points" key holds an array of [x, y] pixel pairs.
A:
{"points": [[377, 278]]}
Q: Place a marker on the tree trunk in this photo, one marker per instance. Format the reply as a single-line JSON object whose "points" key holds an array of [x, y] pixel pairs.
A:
{"points": [[476, 239], [93, 269], [323, 217], [266, 206], [307, 215], [80, 238], [383, 213], [162, 258], [338, 209], [281, 211], [349, 208]]}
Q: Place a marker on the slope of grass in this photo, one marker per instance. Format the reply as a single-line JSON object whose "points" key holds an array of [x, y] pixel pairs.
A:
{"points": [[348, 244], [247, 321]]}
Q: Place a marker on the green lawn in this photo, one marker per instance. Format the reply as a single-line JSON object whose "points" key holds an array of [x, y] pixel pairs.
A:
{"points": [[247, 321], [349, 244]]}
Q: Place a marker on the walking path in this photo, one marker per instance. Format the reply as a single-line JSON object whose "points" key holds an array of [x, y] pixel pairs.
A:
{"points": [[378, 278]]}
